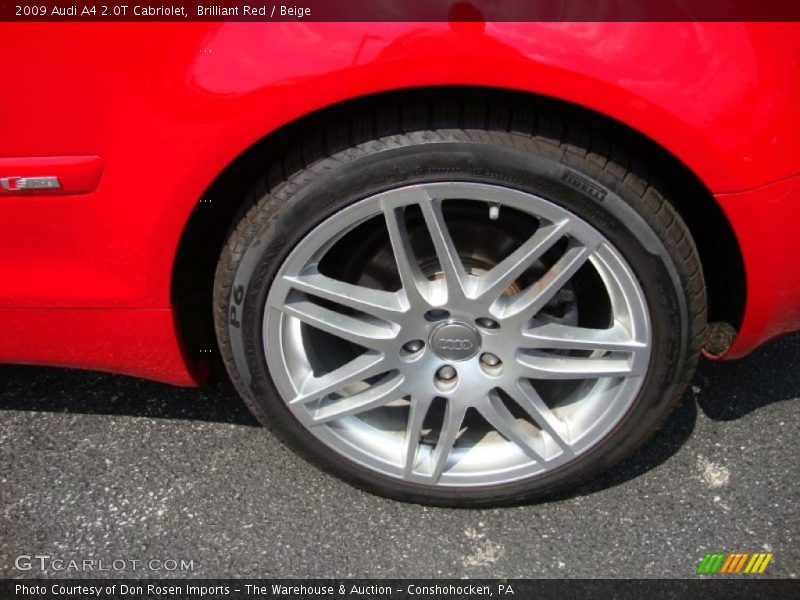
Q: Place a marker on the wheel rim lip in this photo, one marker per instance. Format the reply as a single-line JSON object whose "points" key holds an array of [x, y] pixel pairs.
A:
{"points": [[622, 392]]}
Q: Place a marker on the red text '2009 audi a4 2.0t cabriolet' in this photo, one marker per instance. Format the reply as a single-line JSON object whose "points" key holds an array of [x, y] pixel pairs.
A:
{"points": [[453, 262]]}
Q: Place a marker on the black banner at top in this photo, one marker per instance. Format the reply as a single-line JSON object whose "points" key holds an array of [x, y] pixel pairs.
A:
{"points": [[399, 10]]}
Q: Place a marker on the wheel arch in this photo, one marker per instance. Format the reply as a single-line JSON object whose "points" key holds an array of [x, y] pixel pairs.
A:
{"points": [[209, 223]]}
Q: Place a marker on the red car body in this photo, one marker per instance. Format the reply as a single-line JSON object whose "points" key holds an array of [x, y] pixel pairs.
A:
{"points": [[138, 120]]}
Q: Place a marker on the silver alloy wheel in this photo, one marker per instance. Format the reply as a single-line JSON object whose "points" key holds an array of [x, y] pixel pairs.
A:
{"points": [[447, 383]]}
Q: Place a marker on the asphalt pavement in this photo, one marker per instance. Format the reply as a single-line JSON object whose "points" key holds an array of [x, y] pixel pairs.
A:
{"points": [[133, 475]]}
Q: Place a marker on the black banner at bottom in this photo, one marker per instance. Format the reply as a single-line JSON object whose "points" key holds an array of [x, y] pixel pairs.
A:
{"points": [[422, 589]]}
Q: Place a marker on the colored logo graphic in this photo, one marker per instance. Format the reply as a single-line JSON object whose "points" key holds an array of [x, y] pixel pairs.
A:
{"points": [[732, 563]]}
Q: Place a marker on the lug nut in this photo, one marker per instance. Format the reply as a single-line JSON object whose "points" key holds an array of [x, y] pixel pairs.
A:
{"points": [[413, 346], [446, 373], [489, 359], [487, 323]]}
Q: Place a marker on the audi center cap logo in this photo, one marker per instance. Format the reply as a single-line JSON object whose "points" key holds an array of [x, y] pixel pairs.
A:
{"points": [[455, 341]]}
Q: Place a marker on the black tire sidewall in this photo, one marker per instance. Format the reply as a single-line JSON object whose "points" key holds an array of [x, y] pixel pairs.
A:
{"points": [[282, 218]]}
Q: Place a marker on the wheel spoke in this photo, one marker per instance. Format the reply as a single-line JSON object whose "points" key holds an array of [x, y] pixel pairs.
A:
{"points": [[360, 368], [386, 305], [416, 418], [415, 284], [453, 418], [554, 336], [379, 394], [536, 296], [502, 275], [540, 365], [499, 417], [529, 400], [454, 275], [361, 331]]}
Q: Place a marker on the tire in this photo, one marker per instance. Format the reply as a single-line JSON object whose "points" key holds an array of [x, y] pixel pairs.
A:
{"points": [[463, 147]]}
